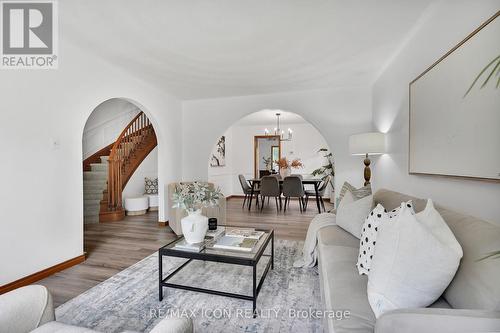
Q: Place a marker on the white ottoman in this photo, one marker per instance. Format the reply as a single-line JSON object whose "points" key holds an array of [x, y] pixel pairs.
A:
{"points": [[136, 206], [153, 201]]}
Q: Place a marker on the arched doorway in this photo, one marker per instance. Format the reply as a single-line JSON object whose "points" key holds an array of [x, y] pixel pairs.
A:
{"points": [[118, 128], [241, 156]]}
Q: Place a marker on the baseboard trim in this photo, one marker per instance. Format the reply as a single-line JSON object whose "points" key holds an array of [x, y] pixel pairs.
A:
{"points": [[234, 196], [27, 280], [163, 223]]}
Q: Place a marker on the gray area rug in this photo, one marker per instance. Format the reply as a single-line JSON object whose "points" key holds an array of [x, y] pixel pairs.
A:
{"points": [[129, 299]]}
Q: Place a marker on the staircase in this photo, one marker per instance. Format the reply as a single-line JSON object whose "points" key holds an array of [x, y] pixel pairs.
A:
{"points": [[105, 178], [94, 184]]}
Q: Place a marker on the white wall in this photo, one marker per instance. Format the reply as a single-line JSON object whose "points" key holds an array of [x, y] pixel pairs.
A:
{"points": [[240, 153], [106, 123], [147, 168], [440, 29], [334, 113], [47, 106]]}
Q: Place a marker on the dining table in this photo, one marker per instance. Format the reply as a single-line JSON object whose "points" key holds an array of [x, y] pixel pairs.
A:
{"points": [[307, 181]]}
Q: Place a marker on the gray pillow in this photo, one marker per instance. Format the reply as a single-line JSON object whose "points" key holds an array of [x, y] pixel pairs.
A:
{"points": [[351, 213]]}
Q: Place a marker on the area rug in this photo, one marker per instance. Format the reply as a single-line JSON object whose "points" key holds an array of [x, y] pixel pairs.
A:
{"points": [[129, 299]]}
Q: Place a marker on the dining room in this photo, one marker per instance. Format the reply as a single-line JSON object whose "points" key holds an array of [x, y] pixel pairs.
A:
{"points": [[274, 162]]}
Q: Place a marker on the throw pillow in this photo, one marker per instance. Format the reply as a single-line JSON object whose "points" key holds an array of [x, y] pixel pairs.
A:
{"points": [[351, 213], [394, 213], [369, 233], [416, 257], [150, 186], [358, 193], [369, 238]]}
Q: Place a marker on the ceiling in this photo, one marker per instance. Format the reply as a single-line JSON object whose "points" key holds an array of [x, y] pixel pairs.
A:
{"points": [[202, 49], [268, 117]]}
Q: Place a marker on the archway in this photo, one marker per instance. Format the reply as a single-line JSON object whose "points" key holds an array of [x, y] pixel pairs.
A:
{"points": [[120, 125], [241, 156]]}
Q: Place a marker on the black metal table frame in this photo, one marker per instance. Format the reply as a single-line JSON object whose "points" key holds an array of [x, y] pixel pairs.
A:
{"points": [[163, 282], [314, 182]]}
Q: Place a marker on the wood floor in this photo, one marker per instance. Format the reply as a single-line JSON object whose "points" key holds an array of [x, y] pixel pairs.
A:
{"points": [[112, 247]]}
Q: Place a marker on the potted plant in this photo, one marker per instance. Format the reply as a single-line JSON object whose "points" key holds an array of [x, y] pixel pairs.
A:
{"points": [[193, 197], [286, 166], [326, 170]]}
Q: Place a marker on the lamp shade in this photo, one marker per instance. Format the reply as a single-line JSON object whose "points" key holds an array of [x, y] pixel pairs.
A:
{"points": [[367, 143]]}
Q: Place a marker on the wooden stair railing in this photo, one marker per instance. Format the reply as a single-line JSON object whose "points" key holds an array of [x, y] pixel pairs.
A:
{"points": [[133, 145]]}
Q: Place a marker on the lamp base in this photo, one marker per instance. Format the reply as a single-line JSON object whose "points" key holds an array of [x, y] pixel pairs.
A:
{"points": [[368, 172]]}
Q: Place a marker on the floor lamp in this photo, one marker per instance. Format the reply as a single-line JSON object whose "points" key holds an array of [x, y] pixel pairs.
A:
{"points": [[372, 143]]}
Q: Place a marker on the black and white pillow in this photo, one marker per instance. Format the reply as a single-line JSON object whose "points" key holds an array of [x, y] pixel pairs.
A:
{"points": [[393, 213], [369, 238], [369, 233], [150, 186]]}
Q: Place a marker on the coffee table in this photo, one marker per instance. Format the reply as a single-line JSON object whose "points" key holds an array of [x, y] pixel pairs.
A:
{"points": [[251, 258]]}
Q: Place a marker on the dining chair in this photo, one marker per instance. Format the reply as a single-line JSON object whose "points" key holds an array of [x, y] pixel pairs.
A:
{"points": [[247, 191], [270, 187], [321, 191], [293, 188]]}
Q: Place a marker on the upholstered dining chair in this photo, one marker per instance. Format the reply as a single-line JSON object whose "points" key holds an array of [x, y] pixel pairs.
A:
{"points": [[321, 191], [293, 188], [247, 190], [270, 187]]}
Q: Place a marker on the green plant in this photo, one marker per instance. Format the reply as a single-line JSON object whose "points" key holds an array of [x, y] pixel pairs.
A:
{"points": [[193, 196], [492, 255], [494, 65], [328, 168], [495, 71]]}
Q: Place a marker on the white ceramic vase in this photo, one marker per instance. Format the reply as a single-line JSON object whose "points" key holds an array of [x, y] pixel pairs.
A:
{"points": [[194, 227], [285, 172]]}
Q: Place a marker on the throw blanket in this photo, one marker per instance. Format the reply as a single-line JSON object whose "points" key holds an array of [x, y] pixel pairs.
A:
{"points": [[310, 252]]}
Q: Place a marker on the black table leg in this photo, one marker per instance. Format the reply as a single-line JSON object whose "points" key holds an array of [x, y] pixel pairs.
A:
{"points": [[160, 275], [317, 196], [251, 196], [272, 251], [254, 290]]}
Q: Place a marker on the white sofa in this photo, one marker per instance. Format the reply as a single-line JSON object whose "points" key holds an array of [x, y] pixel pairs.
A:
{"points": [[30, 309], [470, 304]]}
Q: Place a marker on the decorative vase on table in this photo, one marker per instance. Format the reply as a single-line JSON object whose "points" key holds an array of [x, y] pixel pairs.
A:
{"points": [[285, 172], [194, 227], [192, 197]]}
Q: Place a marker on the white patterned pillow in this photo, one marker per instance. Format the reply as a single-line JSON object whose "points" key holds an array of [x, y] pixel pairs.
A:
{"points": [[369, 237], [150, 186], [369, 233], [395, 212]]}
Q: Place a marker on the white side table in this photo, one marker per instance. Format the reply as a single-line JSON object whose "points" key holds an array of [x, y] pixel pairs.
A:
{"points": [[153, 201], [136, 206]]}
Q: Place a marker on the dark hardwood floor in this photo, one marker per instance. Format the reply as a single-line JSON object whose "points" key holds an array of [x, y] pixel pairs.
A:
{"points": [[112, 247]]}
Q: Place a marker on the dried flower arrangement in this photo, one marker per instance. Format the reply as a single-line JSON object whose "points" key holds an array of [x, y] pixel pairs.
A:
{"points": [[284, 163]]}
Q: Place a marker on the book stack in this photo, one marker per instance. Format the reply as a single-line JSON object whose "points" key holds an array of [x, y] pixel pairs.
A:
{"points": [[239, 240]]}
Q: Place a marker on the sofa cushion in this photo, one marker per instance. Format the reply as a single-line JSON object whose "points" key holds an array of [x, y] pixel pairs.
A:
{"points": [[475, 285], [335, 235], [342, 287]]}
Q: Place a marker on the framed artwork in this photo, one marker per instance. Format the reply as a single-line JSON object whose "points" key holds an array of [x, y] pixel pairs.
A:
{"points": [[218, 158], [454, 119]]}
